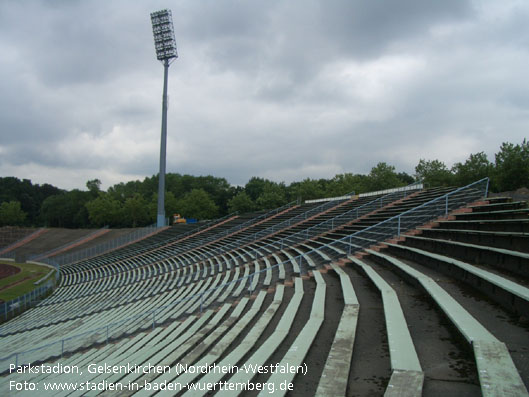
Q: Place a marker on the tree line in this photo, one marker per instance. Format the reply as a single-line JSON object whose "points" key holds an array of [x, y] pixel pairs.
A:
{"points": [[134, 203]]}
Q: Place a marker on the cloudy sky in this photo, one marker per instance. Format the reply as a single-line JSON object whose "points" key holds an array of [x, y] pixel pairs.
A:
{"points": [[279, 89]]}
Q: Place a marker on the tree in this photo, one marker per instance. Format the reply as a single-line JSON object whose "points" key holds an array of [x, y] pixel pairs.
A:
{"points": [[512, 166], [343, 184], [66, 209], [105, 210], [241, 203], [383, 176], [405, 178], [135, 211], [11, 214], [93, 186], [476, 167], [197, 204], [433, 173], [307, 189], [272, 196], [30, 196], [255, 187]]}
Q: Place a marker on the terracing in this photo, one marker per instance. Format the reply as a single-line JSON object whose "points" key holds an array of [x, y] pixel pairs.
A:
{"points": [[398, 293]]}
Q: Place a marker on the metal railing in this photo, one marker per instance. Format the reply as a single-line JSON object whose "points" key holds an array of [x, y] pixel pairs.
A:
{"points": [[38, 257], [104, 247], [338, 198], [408, 220], [394, 226], [5, 250], [300, 236], [322, 227]]}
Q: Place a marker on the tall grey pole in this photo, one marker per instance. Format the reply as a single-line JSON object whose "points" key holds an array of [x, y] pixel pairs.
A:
{"points": [[160, 219]]}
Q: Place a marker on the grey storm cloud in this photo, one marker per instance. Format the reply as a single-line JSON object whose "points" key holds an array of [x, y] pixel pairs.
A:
{"points": [[283, 90]]}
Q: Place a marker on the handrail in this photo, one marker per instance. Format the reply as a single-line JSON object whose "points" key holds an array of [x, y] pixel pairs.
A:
{"points": [[326, 225], [71, 243], [5, 250], [154, 226], [316, 229], [105, 247], [234, 228], [345, 240]]}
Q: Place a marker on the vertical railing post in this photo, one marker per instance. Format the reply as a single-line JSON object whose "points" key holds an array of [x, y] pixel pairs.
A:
{"points": [[398, 226], [298, 259], [446, 206]]}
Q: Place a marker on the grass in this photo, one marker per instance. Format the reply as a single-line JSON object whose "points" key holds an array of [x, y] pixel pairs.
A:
{"points": [[29, 273]]}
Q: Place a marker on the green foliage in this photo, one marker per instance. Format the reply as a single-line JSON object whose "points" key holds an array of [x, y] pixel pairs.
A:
{"points": [[307, 189], [11, 214], [94, 186], [512, 166], [134, 203], [405, 178], [171, 206], [383, 176], [105, 210], [343, 184], [476, 167], [135, 211], [434, 173], [255, 187], [66, 210], [197, 204], [272, 196], [30, 196], [241, 203]]}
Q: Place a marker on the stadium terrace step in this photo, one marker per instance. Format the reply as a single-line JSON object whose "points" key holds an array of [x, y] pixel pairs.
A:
{"points": [[521, 213], [333, 381], [509, 294], [499, 199], [507, 205], [268, 347], [24, 240], [233, 358], [299, 349], [497, 372], [216, 349], [507, 240], [407, 377], [504, 225], [501, 258], [140, 348]]}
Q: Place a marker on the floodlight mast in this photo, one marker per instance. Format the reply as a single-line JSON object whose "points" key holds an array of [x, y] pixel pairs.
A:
{"points": [[165, 45]]}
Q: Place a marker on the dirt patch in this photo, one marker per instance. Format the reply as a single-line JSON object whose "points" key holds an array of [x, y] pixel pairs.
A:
{"points": [[8, 270]]}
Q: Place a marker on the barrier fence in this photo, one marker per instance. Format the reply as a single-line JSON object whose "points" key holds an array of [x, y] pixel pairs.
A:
{"points": [[11, 308]]}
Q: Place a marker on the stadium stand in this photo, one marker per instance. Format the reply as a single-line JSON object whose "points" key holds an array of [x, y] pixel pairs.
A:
{"points": [[410, 292]]}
